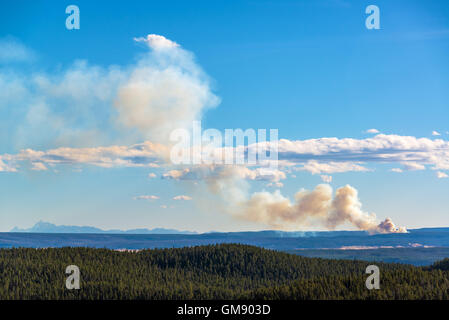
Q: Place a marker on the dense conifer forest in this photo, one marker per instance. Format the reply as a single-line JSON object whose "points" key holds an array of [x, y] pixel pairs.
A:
{"points": [[227, 271]]}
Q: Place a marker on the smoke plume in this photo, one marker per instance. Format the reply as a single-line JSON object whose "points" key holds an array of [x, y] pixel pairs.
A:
{"points": [[317, 207]]}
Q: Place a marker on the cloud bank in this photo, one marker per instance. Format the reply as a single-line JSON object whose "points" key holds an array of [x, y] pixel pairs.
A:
{"points": [[409, 151]]}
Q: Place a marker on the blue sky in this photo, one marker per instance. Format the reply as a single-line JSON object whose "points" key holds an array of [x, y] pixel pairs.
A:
{"points": [[310, 69]]}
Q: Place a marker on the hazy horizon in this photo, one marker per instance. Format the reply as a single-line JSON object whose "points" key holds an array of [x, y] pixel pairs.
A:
{"points": [[25, 228]]}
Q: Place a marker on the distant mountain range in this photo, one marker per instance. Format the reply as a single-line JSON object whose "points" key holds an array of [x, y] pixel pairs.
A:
{"points": [[46, 227]]}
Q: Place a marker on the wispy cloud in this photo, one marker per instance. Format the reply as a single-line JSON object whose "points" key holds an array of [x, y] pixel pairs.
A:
{"points": [[6, 168], [275, 185], [146, 154], [316, 167], [213, 172], [441, 175], [413, 166], [12, 50], [182, 197], [146, 197], [39, 166]]}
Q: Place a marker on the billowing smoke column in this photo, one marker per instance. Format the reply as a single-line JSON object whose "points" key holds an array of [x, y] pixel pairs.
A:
{"points": [[312, 208], [165, 91]]}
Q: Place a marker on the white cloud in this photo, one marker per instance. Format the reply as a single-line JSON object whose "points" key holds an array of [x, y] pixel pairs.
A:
{"points": [[379, 149], [436, 133], [145, 154], [157, 42], [151, 175], [39, 166], [326, 178], [182, 197], [213, 172], [275, 185], [316, 167], [441, 175], [373, 131], [6, 168], [176, 174], [397, 170], [146, 197], [413, 166]]}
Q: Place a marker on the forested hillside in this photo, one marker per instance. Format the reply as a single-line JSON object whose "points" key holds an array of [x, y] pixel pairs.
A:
{"points": [[208, 272]]}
